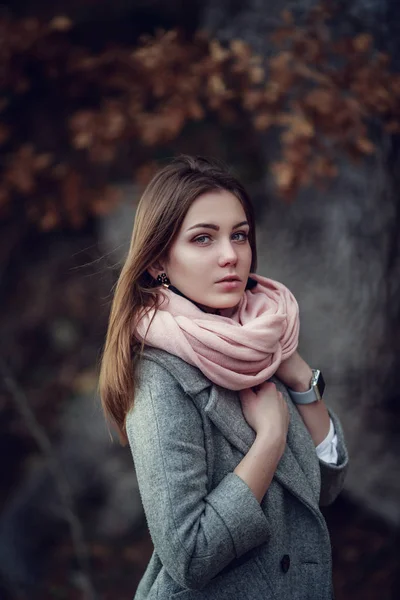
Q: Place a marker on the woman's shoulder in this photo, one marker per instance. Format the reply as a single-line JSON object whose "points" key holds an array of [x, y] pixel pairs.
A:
{"points": [[159, 367], [164, 385]]}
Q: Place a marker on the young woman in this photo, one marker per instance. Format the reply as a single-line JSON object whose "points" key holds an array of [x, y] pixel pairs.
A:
{"points": [[233, 446]]}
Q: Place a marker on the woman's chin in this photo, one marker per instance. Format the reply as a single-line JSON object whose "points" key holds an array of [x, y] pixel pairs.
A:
{"points": [[230, 301]]}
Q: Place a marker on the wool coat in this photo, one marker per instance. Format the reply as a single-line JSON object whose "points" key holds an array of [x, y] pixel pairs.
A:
{"points": [[212, 539]]}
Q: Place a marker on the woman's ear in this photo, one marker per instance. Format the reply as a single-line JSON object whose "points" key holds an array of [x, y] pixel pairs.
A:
{"points": [[155, 269]]}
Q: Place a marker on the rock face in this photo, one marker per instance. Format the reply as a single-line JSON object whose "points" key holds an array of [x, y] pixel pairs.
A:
{"points": [[332, 251]]}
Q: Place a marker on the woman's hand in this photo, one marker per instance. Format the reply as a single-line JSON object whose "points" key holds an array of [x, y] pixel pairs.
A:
{"points": [[295, 373], [266, 412]]}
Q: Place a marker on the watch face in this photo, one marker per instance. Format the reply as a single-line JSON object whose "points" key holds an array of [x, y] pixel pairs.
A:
{"points": [[321, 384], [318, 382]]}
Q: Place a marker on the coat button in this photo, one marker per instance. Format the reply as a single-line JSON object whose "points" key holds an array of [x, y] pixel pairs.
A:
{"points": [[285, 563]]}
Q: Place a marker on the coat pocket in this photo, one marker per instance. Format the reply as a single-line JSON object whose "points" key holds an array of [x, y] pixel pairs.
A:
{"points": [[244, 581]]}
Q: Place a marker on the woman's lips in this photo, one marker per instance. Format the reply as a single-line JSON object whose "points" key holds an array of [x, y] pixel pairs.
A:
{"points": [[227, 285]]}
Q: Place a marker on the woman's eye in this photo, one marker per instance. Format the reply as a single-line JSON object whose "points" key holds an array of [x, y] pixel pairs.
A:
{"points": [[240, 236], [202, 239]]}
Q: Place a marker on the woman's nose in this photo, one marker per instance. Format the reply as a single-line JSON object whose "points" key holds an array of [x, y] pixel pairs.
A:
{"points": [[228, 254]]}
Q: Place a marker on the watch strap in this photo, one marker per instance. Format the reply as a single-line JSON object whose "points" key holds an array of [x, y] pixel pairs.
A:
{"points": [[314, 394]]}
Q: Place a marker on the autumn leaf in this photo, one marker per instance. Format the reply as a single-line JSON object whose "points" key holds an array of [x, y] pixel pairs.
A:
{"points": [[263, 121], [287, 17], [297, 125], [49, 220], [252, 99], [240, 49], [284, 174], [195, 110], [21, 171], [256, 74], [281, 61], [216, 84], [82, 125], [217, 52], [60, 23], [362, 42], [365, 145], [321, 101]]}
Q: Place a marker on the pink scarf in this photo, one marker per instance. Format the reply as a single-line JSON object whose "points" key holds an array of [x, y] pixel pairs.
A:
{"points": [[236, 352]]}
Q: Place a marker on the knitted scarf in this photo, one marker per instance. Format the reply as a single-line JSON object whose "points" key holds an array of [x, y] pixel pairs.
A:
{"points": [[235, 352]]}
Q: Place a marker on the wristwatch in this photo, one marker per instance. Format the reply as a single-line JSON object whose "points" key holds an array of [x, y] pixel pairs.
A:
{"points": [[314, 394]]}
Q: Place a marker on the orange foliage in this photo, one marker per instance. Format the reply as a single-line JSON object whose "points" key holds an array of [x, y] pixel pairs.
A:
{"points": [[144, 96]]}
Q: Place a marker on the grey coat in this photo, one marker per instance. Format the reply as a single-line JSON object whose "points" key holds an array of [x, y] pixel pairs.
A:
{"points": [[212, 539]]}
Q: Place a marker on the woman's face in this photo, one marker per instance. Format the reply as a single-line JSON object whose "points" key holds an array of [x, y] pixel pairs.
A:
{"points": [[212, 244]]}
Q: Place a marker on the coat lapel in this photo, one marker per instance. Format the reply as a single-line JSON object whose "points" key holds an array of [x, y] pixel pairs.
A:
{"points": [[224, 410]]}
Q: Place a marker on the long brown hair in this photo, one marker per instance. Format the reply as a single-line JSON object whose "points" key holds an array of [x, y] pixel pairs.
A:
{"points": [[159, 216]]}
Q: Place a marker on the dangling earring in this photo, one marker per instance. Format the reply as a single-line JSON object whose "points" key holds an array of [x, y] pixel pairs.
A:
{"points": [[163, 279]]}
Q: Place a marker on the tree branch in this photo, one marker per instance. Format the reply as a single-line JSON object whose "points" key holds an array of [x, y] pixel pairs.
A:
{"points": [[77, 536]]}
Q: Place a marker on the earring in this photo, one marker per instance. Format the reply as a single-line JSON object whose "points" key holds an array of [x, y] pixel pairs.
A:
{"points": [[163, 279]]}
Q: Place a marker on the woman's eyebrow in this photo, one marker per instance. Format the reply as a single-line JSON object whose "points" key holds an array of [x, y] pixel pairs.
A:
{"points": [[215, 227]]}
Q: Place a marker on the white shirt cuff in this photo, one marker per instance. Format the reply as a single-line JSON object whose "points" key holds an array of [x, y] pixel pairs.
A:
{"points": [[327, 449]]}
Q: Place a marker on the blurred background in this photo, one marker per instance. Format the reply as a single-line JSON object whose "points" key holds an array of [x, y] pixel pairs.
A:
{"points": [[302, 100]]}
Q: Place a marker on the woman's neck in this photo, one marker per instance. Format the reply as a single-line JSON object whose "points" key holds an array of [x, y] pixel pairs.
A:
{"points": [[207, 309]]}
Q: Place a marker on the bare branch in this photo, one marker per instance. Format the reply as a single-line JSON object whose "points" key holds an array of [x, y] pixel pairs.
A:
{"points": [[77, 536]]}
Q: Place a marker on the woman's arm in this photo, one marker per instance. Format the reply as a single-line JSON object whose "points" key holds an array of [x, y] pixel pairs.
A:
{"points": [[316, 418], [267, 413], [258, 467], [296, 374]]}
